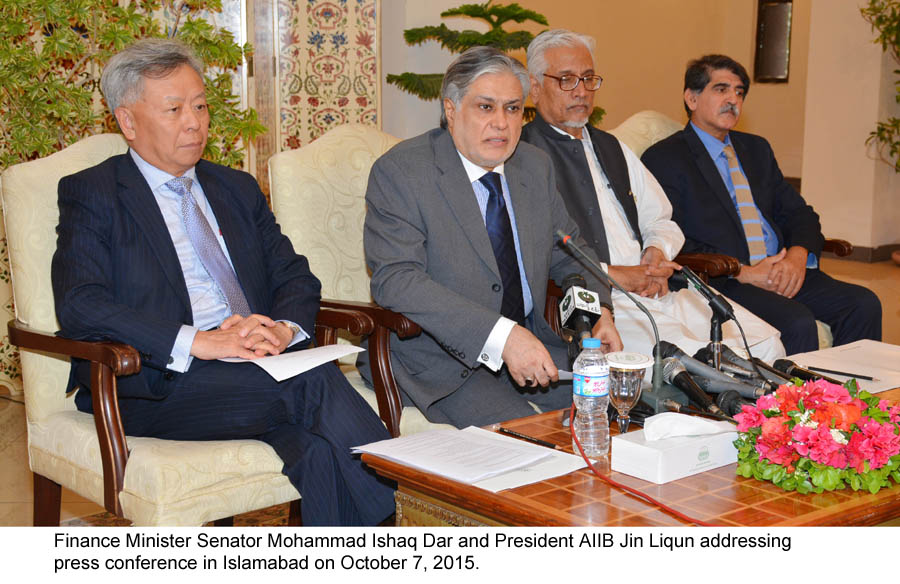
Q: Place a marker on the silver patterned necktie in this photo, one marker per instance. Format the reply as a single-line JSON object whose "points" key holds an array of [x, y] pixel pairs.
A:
{"points": [[207, 247]]}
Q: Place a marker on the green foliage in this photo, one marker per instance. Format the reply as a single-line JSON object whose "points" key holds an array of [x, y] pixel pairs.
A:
{"points": [[427, 86], [884, 16], [52, 53]]}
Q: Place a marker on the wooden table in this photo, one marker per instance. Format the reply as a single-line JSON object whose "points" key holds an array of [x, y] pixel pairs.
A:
{"points": [[717, 496]]}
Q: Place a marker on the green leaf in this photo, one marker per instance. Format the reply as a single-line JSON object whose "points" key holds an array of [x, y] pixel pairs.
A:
{"points": [[426, 86]]}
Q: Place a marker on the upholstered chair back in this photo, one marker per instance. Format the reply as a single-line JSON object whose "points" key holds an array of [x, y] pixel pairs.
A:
{"points": [[29, 203], [644, 129], [318, 195]]}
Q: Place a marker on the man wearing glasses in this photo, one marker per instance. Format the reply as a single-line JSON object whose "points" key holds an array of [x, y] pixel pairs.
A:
{"points": [[619, 206]]}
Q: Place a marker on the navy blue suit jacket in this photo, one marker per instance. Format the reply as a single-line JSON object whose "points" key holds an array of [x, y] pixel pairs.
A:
{"points": [[703, 208], [116, 275]]}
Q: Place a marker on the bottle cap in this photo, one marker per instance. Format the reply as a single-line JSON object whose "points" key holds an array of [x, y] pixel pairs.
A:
{"points": [[592, 343]]}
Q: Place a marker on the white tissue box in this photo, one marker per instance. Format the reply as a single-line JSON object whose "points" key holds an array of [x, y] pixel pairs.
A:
{"points": [[669, 459]]}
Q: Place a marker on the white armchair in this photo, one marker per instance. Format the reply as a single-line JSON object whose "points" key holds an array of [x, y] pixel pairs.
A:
{"points": [[318, 197], [146, 480]]}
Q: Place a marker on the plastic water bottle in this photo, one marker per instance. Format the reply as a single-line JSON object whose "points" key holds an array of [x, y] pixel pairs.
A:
{"points": [[590, 387]]}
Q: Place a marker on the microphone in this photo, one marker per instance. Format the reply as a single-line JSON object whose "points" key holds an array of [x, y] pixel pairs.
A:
{"points": [[675, 374], [716, 301], [566, 240], [778, 377], [730, 402], [705, 355], [742, 389], [692, 365], [775, 378], [579, 310], [794, 370]]}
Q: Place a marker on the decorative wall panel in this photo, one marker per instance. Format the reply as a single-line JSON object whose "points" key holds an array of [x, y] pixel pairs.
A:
{"points": [[327, 67]]}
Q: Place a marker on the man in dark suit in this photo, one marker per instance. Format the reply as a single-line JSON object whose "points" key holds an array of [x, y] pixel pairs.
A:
{"points": [[182, 259], [460, 237], [730, 197]]}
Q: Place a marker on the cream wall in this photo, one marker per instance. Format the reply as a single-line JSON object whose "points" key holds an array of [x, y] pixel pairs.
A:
{"points": [[850, 87]]}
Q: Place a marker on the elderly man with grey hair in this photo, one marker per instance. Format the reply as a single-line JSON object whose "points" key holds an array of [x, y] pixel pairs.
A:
{"points": [[459, 235], [621, 209], [182, 259]]}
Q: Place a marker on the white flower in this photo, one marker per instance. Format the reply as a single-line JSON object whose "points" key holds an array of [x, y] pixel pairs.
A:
{"points": [[838, 436]]}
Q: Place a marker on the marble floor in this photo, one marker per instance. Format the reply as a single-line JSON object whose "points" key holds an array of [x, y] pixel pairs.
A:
{"points": [[16, 480]]}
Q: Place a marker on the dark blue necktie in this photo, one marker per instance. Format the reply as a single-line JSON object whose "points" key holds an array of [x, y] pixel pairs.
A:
{"points": [[500, 232]]}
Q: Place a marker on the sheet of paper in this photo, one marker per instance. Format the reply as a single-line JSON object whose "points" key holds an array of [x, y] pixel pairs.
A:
{"points": [[878, 360], [557, 464], [287, 365], [465, 456]]}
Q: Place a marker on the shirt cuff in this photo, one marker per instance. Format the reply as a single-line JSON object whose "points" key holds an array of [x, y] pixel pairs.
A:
{"points": [[812, 262], [180, 357], [300, 335], [492, 351]]}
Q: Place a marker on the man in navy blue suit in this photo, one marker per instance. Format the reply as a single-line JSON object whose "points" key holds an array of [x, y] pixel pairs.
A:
{"points": [[182, 259], [729, 196]]}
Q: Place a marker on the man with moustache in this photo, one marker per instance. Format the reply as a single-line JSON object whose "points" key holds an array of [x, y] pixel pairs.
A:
{"points": [[730, 197], [460, 237], [621, 209], [183, 260]]}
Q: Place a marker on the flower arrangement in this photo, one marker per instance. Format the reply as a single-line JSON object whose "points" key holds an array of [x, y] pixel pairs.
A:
{"points": [[818, 436]]}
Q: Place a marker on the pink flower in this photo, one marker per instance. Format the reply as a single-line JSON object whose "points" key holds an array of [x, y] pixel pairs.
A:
{"points": [[750, 417], [833, 393], [767, 402]]}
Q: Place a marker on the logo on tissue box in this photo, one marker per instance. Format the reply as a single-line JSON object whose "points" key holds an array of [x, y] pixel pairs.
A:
{"points": [[703, 455]]}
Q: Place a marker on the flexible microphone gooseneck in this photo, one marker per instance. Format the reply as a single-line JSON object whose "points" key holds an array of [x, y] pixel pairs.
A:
{"points": [[657, 378]]}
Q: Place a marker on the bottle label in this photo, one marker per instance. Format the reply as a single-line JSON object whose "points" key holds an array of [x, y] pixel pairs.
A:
{"points": [[594, 385]]}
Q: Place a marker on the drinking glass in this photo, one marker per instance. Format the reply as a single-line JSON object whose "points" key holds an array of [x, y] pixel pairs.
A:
{"points": [[626, 372]]}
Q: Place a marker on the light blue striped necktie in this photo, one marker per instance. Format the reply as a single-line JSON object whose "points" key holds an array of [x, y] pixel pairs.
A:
{"points": [[207, 247]]}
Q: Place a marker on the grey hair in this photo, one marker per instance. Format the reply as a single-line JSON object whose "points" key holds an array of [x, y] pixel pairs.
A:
{"points": [[552, 39], [123, 77], [471, 65]]}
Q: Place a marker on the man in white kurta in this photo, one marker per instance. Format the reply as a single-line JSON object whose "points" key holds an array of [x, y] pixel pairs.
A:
{"points": [[620, 207]]}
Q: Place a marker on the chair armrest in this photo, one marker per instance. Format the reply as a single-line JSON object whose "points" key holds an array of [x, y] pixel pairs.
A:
{"points": [[551, 307], [108, 360], [331, 320], [710, 265], [387, 391], [839, 247]]}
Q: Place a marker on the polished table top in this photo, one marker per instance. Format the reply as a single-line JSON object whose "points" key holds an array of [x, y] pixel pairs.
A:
{"points": [[717, 496]]}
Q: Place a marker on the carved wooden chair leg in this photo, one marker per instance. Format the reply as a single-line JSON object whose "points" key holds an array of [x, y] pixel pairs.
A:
{"points": [[47, 500], [295, 518]]}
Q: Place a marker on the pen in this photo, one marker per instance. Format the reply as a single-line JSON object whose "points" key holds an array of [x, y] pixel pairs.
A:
{"points": [[529, 438], [841, 373]]}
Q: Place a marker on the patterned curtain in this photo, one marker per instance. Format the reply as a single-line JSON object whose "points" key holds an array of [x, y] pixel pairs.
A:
{"points": [[328, 69]]}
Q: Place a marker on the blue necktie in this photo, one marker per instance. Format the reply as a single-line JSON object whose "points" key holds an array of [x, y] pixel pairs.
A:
{"points": [[500, 232], [207, 247]]}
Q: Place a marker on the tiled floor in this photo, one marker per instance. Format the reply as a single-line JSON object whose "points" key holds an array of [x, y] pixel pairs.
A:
{"points": [[16, 480]]}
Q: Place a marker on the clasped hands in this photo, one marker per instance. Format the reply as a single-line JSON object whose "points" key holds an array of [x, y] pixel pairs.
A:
{"points": [[650, 278], [248, 337], [530, 364], [782, 273]]}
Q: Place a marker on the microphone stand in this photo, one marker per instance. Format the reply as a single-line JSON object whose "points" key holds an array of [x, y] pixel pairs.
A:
{"points": [[657, 379], [722, 312]]}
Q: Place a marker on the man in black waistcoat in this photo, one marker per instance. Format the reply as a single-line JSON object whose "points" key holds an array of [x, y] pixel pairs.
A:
{"points": [[619, 206]]}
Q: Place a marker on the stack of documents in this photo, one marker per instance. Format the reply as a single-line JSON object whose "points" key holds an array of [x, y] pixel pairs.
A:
{"points": [[881, 361], [477, 457]]}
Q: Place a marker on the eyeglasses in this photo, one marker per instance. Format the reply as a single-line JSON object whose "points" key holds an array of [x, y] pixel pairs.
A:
{"points": [[570, 82]]}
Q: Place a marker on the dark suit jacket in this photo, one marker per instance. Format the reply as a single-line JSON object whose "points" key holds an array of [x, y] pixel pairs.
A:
{"points": [[703, 208], [116, 274], [431, 258], [574, 182]]}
